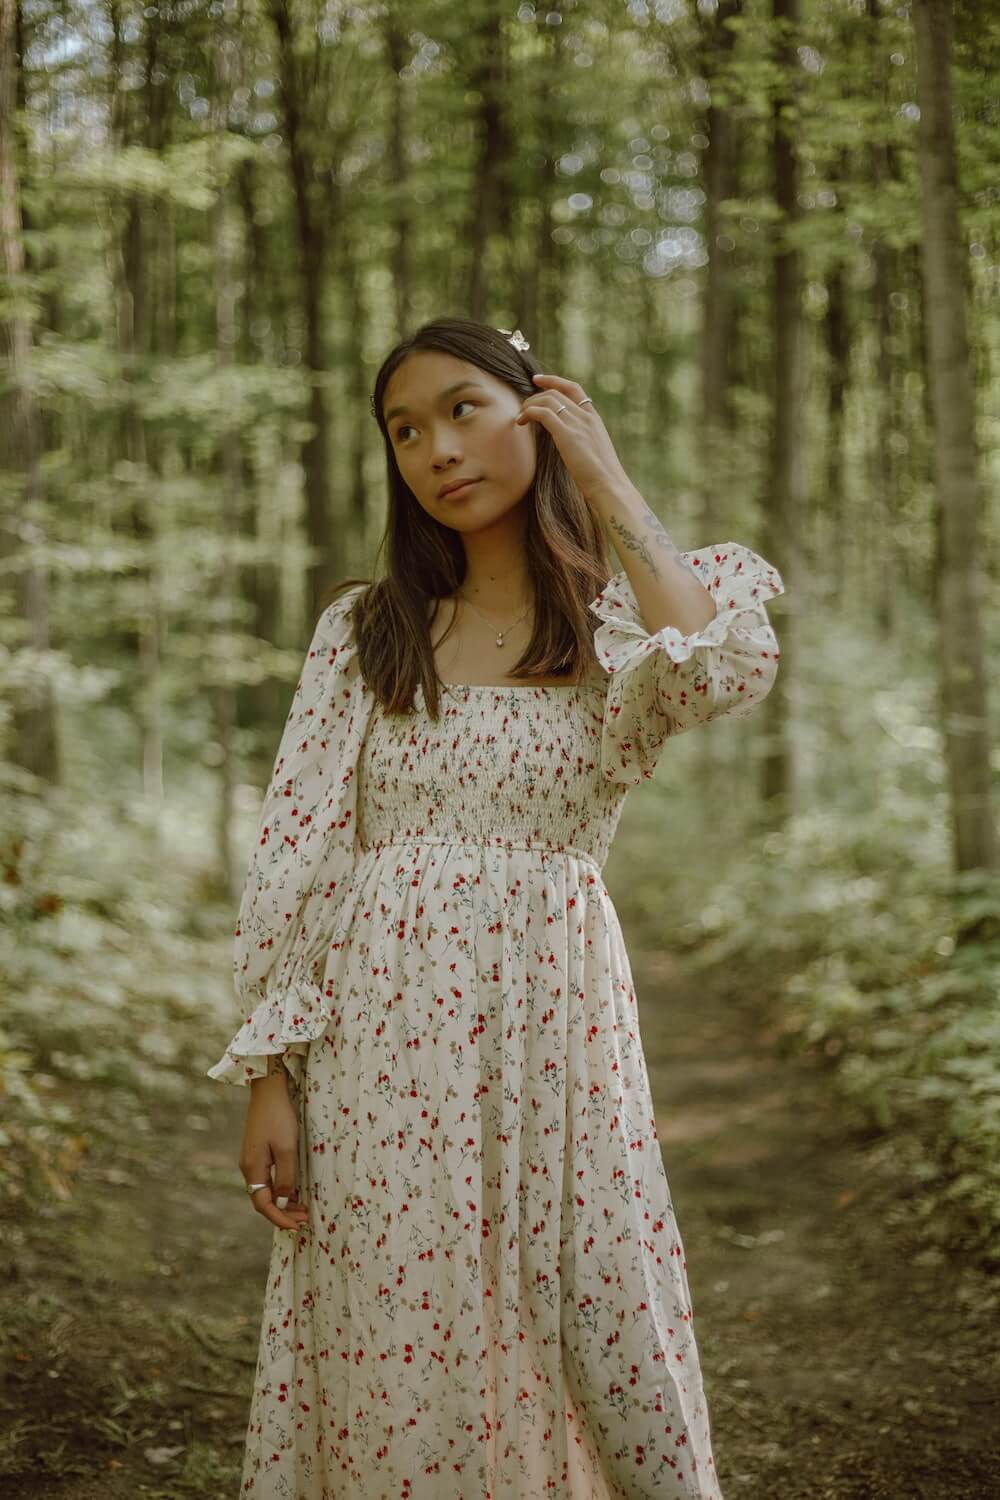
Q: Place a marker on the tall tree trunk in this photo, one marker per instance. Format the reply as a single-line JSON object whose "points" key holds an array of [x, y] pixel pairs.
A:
{"points": [[40, 256], [313, 241], [883, 551], [225, 287], [394, 30], [356, 392], [260, 579], [32, 739], [831, 529], [490, 222], [921, 431], [960, 576], [132, 303], [542, 285], [781, 530], [660, 353], [540, 248], [838, 347], [720, 173]]}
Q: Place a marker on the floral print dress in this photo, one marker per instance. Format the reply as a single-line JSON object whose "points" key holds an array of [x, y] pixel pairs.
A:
{"points": [[490, 1301]]}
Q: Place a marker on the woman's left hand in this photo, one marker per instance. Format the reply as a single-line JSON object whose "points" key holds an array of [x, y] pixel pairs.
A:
{"points": [[579, 434]]}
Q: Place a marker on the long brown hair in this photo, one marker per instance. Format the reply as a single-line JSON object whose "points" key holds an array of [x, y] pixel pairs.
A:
{"points": [[425, 560]]}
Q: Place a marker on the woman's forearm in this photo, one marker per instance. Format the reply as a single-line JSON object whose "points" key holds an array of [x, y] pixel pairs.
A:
{"points": [[275, 1070]]}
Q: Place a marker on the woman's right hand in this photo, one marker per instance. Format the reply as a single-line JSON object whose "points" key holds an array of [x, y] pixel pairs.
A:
{"points": [[271, 1139]]}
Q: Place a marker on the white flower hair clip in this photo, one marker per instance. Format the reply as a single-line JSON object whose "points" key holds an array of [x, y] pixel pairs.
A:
{"points": [[516, 338]]}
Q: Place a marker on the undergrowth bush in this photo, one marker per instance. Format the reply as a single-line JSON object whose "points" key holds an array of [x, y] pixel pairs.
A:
{"points": [[847, 915], [114, 955]]}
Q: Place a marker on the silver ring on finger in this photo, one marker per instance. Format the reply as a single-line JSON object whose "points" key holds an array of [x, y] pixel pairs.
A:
{"points": [[255, 1187], [585, 401], [560, 408]]}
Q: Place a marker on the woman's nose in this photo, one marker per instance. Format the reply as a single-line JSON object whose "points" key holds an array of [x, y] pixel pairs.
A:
{"points": [[444, 449]]}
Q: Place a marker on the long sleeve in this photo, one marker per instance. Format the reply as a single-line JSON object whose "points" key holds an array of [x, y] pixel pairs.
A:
{"points": [[302, 859], [665, 683]]}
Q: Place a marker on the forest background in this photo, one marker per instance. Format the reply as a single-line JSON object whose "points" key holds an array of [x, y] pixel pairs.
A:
{"points": [[764, 236]]}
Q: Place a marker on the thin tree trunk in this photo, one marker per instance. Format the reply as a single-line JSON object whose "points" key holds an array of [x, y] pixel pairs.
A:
{"points": [[838, 339], [40, 257], [538, 241], [960, 575], [394, 30], [883, 553], [259, 580], [132, 304], [313, 240], [717, 314], [356, 392], [539, 290], [224, 247], [490, 221], [32, 739], [781, 529], [919, 414]]}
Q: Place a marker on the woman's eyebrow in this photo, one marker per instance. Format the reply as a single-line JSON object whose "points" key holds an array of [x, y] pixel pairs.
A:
{"points": [[449, 390]]}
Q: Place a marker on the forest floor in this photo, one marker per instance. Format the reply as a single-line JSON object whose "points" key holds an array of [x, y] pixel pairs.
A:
{"points": [[843, 1360]]}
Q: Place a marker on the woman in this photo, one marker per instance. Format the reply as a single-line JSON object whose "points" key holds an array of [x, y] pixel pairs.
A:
{"points": [[478, 1290]]}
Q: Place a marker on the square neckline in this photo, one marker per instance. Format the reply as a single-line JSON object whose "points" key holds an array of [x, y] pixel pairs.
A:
{"points": [[517, 687]]}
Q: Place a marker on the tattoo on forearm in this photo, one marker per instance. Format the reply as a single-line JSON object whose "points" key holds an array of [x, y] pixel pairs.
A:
{"points": [[663, 541], [627, 538], [640, 544]]}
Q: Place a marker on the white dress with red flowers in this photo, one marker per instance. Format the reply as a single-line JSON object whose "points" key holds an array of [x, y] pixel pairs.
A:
{"points": [[490, 1302]]}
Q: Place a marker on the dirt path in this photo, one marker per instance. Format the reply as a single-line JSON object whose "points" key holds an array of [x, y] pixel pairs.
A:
{"points": [[841, 1359], [844, 1360]]}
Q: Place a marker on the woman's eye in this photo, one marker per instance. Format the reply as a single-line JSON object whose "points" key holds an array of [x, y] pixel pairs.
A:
{"points": [[406, 427]]}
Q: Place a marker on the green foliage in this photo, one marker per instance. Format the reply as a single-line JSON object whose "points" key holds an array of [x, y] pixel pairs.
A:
{"points": [[113, 947], [874, 955], [187, 174]]}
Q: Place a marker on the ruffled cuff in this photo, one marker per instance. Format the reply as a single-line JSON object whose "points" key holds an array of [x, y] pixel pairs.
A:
{"points": [[667, 682], [287, 1020], [739, 581]]}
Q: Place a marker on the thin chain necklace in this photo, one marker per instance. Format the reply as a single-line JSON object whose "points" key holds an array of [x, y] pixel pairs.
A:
{"points": [[506, 629]]}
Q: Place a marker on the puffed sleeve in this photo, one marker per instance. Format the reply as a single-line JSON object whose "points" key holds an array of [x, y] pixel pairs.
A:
{"points": [[302, 859], [666, 683]]}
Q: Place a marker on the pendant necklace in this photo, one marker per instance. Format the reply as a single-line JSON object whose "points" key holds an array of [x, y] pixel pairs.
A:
{"points": [[500, 633]]}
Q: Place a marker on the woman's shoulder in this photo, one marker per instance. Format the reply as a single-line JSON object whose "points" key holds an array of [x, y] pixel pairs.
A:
{"points": [[335, 636], [346, 592], [338, 612]]}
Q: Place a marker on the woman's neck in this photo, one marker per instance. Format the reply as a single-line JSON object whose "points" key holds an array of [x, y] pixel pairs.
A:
{"points": [[497, 573], [500, 606]]}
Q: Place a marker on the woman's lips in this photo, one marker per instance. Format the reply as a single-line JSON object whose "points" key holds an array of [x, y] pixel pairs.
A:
{"points": [[462, 489]]}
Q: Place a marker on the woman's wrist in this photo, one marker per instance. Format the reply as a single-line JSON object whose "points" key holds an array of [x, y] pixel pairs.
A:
{"points": [[275, 1069]]}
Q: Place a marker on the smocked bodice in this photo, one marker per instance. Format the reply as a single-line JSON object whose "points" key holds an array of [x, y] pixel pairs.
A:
{"points": [[509, 766]]}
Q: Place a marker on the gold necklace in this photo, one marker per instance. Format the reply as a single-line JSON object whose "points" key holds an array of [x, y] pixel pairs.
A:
{"points": [[506, 629]]}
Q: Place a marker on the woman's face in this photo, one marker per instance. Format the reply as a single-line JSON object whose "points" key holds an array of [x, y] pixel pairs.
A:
{"points": [[458, 424]]}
